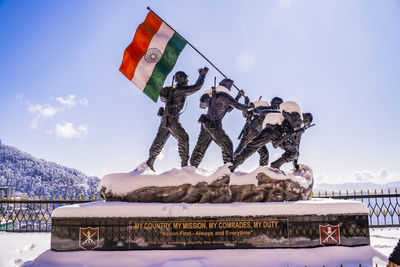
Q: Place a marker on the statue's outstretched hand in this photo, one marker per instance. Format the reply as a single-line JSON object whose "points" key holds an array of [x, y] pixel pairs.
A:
{"points": [[203, 71]]}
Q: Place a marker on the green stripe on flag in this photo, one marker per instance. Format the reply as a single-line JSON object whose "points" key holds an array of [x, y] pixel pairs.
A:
{"points": [[164, 66]]}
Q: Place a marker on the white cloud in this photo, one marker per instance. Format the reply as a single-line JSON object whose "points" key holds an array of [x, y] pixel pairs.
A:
{"points": [[84, 102], [43, 111], [161, 156], [71, 101], [245, 61], [381, 177], [67, 130], [368, 176], [46, 111], [384, 174], [40, 112]]}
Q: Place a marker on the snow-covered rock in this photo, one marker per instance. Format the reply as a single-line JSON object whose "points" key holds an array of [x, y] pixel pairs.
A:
{"points": [[192, 185]]}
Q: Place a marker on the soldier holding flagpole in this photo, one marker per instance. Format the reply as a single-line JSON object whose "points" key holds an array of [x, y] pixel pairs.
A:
{"points": [[174, 98]]}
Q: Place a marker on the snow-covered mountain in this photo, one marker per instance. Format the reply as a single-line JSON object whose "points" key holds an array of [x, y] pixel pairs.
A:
{"points": [[40, 177]]}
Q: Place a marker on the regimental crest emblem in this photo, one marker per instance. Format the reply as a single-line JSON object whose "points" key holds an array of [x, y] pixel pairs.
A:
{"points": [[88, 238], [153, 55], [329, 235]]}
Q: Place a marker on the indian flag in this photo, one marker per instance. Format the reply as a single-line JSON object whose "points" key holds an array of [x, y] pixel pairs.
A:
{"points": [[151, 56]]}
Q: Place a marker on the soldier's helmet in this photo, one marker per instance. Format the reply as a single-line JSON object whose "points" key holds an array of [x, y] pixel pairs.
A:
{"points": [[181, 77], [227, 83], [275, 102], [307, 119]]}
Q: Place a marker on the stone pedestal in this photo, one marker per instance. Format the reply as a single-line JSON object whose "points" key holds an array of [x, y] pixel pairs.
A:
{"points": [[140, 226]]}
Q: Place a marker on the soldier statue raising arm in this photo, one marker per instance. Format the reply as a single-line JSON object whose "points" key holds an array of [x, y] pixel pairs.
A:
{"points": [[174, 98]]}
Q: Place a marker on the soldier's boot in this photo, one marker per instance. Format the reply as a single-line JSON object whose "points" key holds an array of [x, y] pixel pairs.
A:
{"points": [[150, 163], [278, 163], [296, 165], [233, 166], [184, 162]]}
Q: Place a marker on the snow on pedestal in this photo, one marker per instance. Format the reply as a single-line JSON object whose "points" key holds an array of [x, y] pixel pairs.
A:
{"points": [[103, 209], [192, 185]]}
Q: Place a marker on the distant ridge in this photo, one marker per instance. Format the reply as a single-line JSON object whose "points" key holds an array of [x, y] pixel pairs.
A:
{"points": [[40, 177]]}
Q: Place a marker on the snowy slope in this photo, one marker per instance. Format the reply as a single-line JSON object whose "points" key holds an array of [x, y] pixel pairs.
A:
{"points": [[40, 177]]}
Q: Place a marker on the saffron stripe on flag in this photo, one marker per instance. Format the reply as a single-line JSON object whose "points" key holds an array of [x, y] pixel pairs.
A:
{"points": [[135, 51], [164, 66]]}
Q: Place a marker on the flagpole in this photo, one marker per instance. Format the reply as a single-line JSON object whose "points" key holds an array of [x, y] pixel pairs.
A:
{"points": [[192, 47]]}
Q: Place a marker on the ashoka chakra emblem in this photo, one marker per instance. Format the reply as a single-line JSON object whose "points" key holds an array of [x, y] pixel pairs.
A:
{"points": [[152, 55]]}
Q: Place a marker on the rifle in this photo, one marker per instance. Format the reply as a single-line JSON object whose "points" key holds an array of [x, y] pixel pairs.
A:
{"points": [[245, 127], [291, 135], [248, 119]]}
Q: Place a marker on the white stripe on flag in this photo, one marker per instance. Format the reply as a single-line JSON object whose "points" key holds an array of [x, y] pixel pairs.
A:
{"points": [[144, 69]]}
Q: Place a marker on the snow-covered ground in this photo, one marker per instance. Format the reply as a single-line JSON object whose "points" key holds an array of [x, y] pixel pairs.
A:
{"points": [[385, 239], [19, 248]]}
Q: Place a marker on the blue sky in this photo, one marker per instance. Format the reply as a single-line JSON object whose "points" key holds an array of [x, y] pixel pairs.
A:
{"points": [[64, 100]]}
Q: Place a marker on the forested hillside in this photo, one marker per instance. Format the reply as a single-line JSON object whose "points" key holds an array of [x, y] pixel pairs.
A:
{"points": [[39, 177]]}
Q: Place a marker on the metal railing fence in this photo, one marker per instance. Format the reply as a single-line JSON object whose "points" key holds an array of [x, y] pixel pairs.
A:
{"points": [[18, 214], [384, 208]]}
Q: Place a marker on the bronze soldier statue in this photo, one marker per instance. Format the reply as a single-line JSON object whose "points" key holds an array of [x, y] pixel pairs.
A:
{"points": [[253, 126], [290, 143], [174, 98], [219, 102], [277, 127]]}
